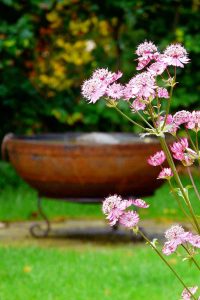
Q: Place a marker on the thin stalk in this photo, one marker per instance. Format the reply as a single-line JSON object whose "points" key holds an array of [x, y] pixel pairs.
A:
{"points": [[151, 112], [193, 183], [197, 142], [141, 116], [168, 106], [180, 204], [191, 141], [166, 262], [168, 73], [125, 116], [197, 146], [178, 181], [192, 258]]}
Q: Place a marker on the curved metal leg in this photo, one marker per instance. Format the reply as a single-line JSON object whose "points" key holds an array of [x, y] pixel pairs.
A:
{"points": [[37, 230]]}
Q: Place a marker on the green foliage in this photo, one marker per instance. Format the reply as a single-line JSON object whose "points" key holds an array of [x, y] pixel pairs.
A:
{"points": [[49, 47]]}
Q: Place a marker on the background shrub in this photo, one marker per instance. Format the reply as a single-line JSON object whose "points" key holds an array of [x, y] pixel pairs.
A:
{"points": [[49, 47]]}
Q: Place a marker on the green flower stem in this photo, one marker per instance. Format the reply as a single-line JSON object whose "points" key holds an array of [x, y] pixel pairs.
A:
{"points": [[191, 257], [166, 262], [178, 181], [193, 183], [197, 142], [191, 141], [168, 106], [180, 204], [197, 146], [141, 116], [151, 112], [125, 116], [170, 97]]}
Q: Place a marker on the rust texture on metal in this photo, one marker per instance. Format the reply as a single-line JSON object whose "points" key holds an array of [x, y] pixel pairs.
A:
{"points": [[59, 168]]}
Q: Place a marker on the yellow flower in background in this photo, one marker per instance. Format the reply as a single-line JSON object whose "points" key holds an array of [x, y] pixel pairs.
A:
{"points": [[67, 46], [104, 28], [77, 26], [44, 78], [54, 18]]}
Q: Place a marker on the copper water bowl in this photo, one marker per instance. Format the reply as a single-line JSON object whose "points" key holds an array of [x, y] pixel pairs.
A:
{"points": [[84, 165]]}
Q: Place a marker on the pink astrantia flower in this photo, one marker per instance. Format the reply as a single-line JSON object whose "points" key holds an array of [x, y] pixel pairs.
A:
{"points": [[138, 104], [113, 207], [93, 89], [194, 121], [182, 152], [140, 203], [174, 232], [114, 216], [181, 117], [115, 91], [170, 247], [194, 240], [157, 159], [186, 295], [106, 76], [175, 55], [162, 93], [179, 146], [166, 173], [142, 63], [146, 52], [110, 203], [117, 210], [142, 86], [129, 219], [146, 49], [157, 68], [176, 236]]}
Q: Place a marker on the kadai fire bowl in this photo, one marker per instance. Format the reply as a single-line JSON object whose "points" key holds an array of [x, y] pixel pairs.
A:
{"points": [[84, 165]]}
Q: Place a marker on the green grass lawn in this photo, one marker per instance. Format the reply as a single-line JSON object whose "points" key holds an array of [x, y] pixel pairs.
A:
{"points": [[18, 202], [128, 273]]}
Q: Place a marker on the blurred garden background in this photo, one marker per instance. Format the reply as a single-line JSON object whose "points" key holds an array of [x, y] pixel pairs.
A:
{"points": [[47, 49]]}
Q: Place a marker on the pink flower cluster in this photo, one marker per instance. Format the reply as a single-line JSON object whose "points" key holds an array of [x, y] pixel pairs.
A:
{"points": [[182, 152], [101, 84], [146, 52], [186, 295], [166, 173], [174, 55], [116, 210], [176, 236], [142, 86], [157, 159], [191, 120]]}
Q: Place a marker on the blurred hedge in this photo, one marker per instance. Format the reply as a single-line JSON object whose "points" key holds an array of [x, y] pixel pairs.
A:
{"points": [[49, 47]]}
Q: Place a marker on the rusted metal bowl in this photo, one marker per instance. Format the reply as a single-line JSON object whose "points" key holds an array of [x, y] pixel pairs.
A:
{"points": [[81, 165]]}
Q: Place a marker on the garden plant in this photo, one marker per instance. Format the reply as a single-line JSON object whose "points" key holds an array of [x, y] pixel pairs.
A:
{"points": [[149, 96]]}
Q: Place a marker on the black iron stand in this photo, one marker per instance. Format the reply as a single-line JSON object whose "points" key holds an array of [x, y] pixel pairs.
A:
{"points": [[37, 230]]}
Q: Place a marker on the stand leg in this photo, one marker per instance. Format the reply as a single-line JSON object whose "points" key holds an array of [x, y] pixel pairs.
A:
{"points": [[36, 230]]}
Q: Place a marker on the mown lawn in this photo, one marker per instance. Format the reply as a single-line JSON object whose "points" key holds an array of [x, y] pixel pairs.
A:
{"points": [[128, 272], [18, 202], [120, 272]]}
